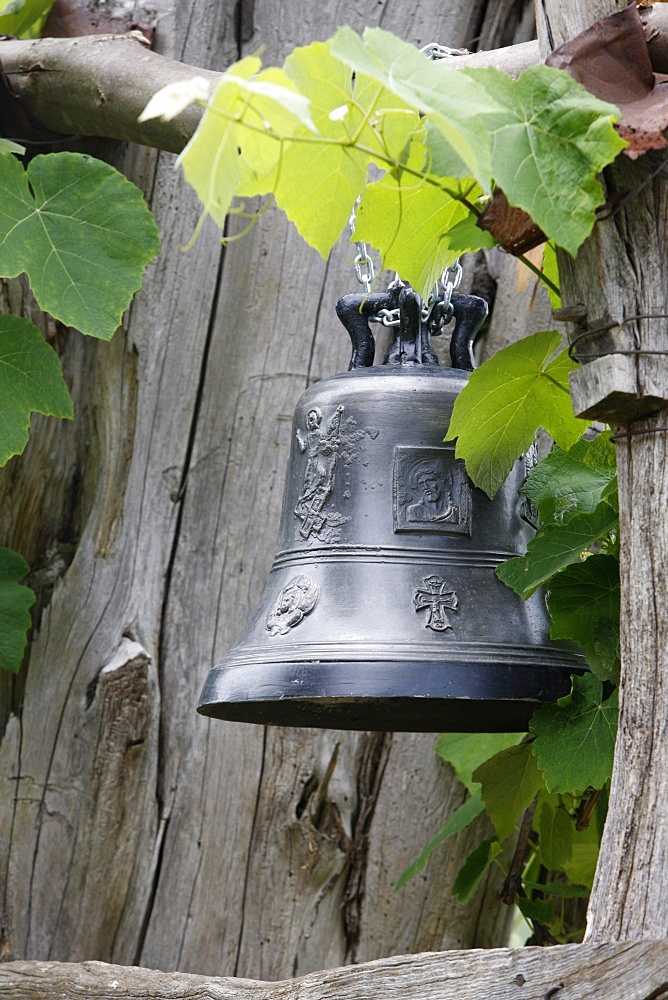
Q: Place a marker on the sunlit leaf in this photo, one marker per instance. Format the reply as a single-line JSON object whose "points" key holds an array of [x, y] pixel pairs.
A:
{"points": [[519, 389], [171, 100]]}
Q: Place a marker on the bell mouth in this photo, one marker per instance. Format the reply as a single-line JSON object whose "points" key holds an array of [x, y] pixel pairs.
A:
{"points": [[387, 696]]}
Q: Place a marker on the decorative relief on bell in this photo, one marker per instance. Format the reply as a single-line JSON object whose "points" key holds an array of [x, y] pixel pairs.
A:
{"points": [[431, 491], [297, 599], [328, 447], [436, 597]]}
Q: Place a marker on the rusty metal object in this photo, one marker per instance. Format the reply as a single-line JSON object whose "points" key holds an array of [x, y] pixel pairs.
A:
{"points": [[612, 61]]}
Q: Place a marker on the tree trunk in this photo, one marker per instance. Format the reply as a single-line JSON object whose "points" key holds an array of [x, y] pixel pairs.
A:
{"points": [[620, 273], [131, 829]]}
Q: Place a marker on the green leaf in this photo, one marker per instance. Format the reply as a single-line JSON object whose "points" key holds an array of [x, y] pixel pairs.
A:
{"points": [[581, 867], [453, 105], [548, 144], [559, 889], [555, 828], [411, 221], [462, 817], [553, 548], [599, 453], [510, 780], [81, 232], [470, 874], [25, 18], [8, 146], [584, 603], [551, 271], [15, 603], [519, 389], [31, 381], [575, 739], [318, 183], [562, 485], [541, 910], [467, 751]]}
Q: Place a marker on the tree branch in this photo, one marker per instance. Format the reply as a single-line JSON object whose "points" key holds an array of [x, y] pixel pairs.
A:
{"points": [[635, 971], [97, 85]]}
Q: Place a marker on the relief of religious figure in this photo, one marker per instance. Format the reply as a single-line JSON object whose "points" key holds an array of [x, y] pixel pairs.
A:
{"points": [[321, 446], [294, 602], [435, 505]]}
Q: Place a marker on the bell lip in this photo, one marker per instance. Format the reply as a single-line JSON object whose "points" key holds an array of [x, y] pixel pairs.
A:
{"points": [[385, 695]]}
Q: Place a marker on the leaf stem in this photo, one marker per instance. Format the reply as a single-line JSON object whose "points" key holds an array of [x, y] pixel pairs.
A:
{"points": [[539, 274]]}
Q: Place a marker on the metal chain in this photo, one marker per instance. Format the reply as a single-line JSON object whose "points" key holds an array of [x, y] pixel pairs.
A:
{"points": [[364, 269]]}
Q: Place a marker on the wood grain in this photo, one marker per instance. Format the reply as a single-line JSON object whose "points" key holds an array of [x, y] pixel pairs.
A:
{"points": [[632, 971]]}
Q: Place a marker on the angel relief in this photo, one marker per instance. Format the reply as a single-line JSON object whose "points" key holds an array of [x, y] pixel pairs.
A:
{"points": [[294, 602], [327, 446]]}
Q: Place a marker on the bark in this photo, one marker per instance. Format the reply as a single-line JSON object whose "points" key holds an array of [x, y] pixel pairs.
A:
{"points": [[572, 972], [621, 273], [99, 84], [132, 830]]}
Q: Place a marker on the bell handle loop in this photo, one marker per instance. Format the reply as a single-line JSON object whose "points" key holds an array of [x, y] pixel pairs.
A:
{"points": [[354, 312], [470, 312]]}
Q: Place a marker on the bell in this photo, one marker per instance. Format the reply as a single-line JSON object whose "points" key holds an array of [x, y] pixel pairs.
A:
{"points": [[382, 610]]}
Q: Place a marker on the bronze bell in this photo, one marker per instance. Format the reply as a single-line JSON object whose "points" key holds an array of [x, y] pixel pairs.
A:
{"points": [[382, 610]]}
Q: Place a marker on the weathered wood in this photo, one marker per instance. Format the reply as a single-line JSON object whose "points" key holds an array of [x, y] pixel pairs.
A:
{"points": [[632, 971], [214, 847], [620, 272]]}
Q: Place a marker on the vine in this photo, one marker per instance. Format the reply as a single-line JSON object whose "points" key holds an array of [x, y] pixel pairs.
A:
{"points": [[424, 149]]}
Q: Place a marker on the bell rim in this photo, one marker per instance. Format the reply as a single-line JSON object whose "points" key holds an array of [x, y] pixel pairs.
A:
{"points": [[386, 695]]}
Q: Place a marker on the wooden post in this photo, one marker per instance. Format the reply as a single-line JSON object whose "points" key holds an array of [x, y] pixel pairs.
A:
{"points": [[621, 274]]}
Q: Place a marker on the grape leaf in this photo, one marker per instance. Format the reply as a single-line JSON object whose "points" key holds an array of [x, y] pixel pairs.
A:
{"points": [[466, 751], [317, 184], [456, 821], [541, 910], [581, 867], [410, 220], [82, 233], [496, 415], [510, 780], [553, 548], [562, 485], [575, 739], [584, 606], [31, 380], [470, 874], [15, 603], [547, 145], [453, 107], [555, 828]]}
